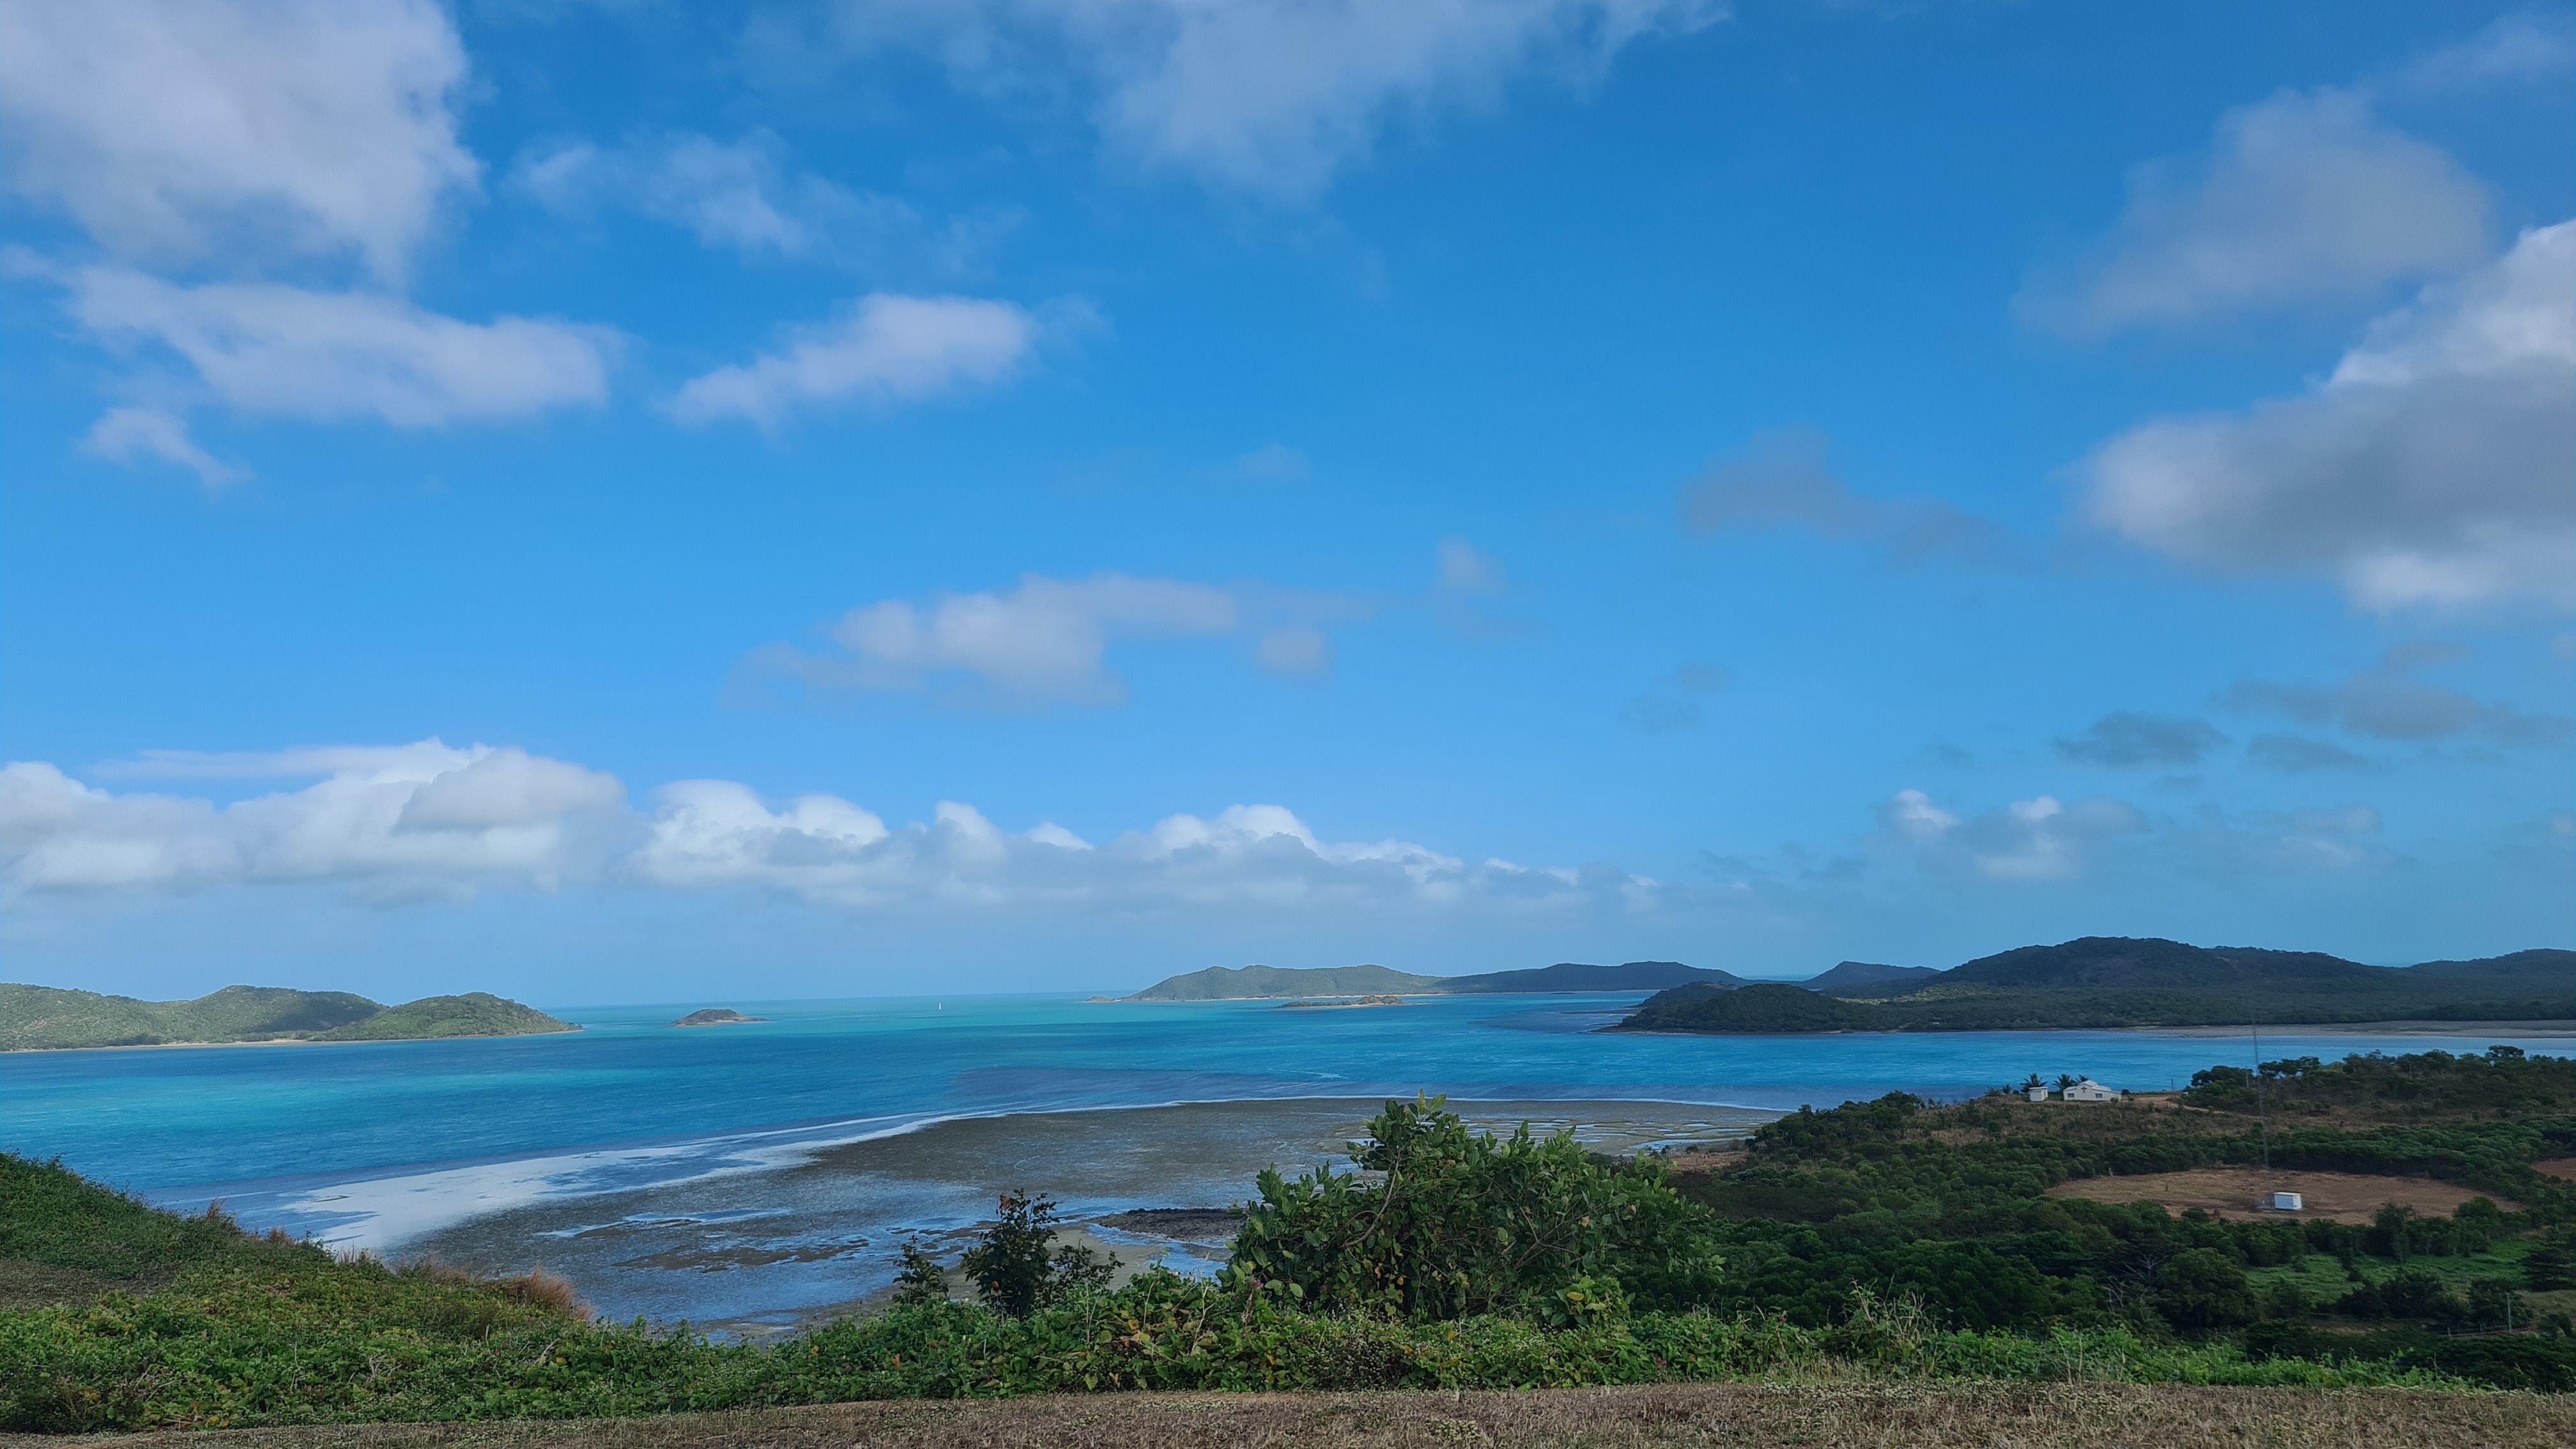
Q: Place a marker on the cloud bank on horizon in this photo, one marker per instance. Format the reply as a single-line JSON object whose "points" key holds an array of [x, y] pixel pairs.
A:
{"points": [[1677, 443]]}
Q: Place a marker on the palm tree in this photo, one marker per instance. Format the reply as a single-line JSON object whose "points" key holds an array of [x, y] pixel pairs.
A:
{"points": [[2065, 1080], [2032, 1082]]}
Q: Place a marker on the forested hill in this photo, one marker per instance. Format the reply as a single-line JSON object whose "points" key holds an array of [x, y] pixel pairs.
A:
{"points": [[37, 1018], [1869, 978], [1255, 983], [2109, 981]]}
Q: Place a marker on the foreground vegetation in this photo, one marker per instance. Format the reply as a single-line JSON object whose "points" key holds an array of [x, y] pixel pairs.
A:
{"points": [[40, 1018], [1894, 1240]]}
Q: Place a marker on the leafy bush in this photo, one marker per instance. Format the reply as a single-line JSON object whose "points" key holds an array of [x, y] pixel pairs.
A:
{"points": [[1016, 1266], [1458, 1224]]}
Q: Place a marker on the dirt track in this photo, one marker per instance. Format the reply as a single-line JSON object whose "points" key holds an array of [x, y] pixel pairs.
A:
{"points": [[2231, 1192], [1655, 1417]]}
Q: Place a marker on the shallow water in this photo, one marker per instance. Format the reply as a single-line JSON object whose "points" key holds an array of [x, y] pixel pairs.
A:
{"points": [[752, 1173]]}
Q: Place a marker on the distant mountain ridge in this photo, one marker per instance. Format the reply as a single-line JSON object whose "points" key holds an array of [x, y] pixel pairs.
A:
{"points": [[41, 1018], [1868, 978], [2119, 981], [1264, 983]]}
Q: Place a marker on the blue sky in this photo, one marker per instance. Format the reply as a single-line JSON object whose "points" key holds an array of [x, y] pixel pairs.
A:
{"points": [[615, 501]]}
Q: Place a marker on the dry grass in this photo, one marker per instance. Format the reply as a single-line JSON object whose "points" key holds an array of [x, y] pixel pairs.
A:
{"points": [[1656, 1417], [2231, 1192], [2562, 1168]]}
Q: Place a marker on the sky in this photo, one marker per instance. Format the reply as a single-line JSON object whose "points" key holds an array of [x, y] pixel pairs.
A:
{"points": [[606, 501]]}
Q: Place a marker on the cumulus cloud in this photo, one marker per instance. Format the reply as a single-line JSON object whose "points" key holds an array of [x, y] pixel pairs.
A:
{"points": [[2302, 198], [2039, 839], [1267, 96], [387, 824], [829, 852], [2430, 468], [2387, 701], [190, 130], [2126, 739], [1784, 480], [884, 351], [745, 196], [124, 435], [1047, 641], [2231, 848], [2520, 47], [279, 351]]}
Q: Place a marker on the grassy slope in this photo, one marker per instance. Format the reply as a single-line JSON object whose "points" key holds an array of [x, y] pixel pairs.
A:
{"points": [[476, 1013], [1824, 1415]]}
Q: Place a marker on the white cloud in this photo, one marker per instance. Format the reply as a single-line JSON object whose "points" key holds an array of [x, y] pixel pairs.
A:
{"points": [[826, 851], [1044, 642], [282, 351], [2039, 839], [2303, 198], [2526, 45], [388, 824], [741, 195], [2430, 468], [1296, 650], [123, 435], [1269, 96], [193, 130], [885, 350]]}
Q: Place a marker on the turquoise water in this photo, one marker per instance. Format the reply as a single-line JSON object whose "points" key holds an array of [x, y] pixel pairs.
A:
{"points": [[380, 1145]]}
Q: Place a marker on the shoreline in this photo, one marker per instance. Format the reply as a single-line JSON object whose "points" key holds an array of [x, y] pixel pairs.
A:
{"points": [[2550, 1027], [276, 1041]]}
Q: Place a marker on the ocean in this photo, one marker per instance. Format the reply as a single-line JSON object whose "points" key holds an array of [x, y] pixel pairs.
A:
{"points": [[748, 1178]]}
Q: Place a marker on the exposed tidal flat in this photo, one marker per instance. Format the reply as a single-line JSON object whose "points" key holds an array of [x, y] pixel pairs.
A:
{"points": [[757, 1177]]}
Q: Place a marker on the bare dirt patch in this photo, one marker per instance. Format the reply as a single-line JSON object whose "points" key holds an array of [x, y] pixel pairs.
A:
{"points": [[2562, 1168], [2024, 1416], [2231, 1192]]}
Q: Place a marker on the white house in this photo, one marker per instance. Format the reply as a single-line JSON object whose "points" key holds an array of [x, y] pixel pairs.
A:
{"points": [[2089, 1090], [2284, 1202], [2039, 1094]]}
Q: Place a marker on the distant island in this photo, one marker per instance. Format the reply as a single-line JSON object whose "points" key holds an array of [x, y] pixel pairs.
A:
{"points": [[2117, 981], [49, 1018], [717, 1016], [1275, 983], [2092, 982]]}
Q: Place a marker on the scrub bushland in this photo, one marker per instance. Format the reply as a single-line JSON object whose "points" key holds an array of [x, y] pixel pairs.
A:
{"points": [[1890, 1242]]}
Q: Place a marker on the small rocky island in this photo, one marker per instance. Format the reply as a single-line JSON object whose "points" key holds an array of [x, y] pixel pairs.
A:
{"points": [[717, 1016]]}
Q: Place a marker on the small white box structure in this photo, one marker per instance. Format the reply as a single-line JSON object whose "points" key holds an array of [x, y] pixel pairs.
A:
{"points": [[2089, 1090], [2284, 1202], [2039, 1094]]}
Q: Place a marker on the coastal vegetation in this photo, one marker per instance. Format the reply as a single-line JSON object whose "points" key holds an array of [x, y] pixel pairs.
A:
{"points": [[2106, 981], [1897, 1239], [717, 1016], [35, 1018]]}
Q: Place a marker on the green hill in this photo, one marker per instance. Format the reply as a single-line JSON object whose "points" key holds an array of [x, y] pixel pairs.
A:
{"points": [[38, 1018], [1869, 978], [1254, 983], [476, 1013], [1763, 1009], [2110, 981], [1580, 976]]}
